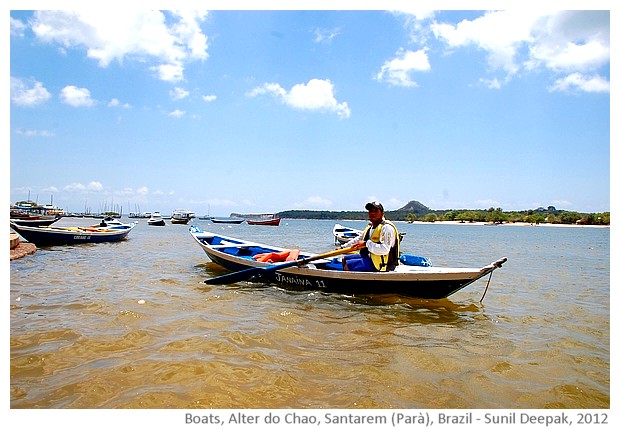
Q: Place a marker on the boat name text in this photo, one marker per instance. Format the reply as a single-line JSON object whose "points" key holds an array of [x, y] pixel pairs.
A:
{"points": [[299, 281]]}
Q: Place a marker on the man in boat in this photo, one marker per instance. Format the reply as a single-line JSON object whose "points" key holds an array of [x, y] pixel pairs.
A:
{"points": [[378, 245]]}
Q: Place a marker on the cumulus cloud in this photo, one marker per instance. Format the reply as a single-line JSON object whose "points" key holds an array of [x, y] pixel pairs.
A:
{"points": [[76, 97], [399, 70], [209, 98], [581, 82], [177, 113], [317, 94], [167, 39], [79, 187], [115, 102], [178, 93], [28, 94], [564, 42]]}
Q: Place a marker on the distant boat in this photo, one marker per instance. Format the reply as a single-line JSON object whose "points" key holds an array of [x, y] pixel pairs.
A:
{"points": [[156, 220], [272, 222], [344, 234], [181, 216], [111, 223], [56, 235], [234, 220]]}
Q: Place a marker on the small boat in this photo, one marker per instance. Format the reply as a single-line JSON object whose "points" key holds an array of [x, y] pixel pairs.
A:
{"points": [[427, 282], [156, 220], [111, 223], [344, 234], [56, 235], [36, 220], [272, 222], [181, 217], [233, 220]]}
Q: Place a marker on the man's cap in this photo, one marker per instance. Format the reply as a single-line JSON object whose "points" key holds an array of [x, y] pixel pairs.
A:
{"points": [[375, 204]]}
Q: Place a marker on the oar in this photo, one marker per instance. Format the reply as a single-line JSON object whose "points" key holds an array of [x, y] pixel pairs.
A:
{"points": [[238, 276]]}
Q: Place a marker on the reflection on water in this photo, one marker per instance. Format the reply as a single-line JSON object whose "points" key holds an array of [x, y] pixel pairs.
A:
{"points": [[132, 325]]}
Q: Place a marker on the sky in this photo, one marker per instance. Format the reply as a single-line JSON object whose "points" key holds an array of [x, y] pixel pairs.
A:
{"points": [[266, 110]]}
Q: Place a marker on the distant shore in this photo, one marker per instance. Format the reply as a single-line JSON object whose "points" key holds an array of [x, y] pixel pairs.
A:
{"points": [[553, 225]]}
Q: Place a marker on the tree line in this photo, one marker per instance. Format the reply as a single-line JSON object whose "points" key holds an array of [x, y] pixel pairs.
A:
{"points": [[549, 215]]}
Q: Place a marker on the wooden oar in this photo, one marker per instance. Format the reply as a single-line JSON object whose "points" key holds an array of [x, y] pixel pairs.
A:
{"points": [[238, 276]]}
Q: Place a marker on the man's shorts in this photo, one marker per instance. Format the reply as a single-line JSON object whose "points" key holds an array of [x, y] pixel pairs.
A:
{"points": [[358, 262]]}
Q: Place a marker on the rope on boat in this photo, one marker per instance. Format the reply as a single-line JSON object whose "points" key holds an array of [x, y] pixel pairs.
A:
{"points": [[487, 287]]}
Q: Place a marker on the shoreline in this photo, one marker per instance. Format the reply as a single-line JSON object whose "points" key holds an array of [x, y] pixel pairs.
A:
{"points": [[552, 225]]}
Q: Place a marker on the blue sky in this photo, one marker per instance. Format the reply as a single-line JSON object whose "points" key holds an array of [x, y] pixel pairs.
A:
{"points": [[268, 110]]}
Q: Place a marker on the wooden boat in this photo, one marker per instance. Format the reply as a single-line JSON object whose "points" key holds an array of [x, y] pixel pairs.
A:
{"points": [[156, 220], [56, 235], [327, 274], [344, 234], [180, 217], [233, 220], [36, 220], [272, 222]]}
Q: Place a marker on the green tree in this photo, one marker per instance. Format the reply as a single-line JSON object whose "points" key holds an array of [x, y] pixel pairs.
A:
{"points": [[431, 217]]}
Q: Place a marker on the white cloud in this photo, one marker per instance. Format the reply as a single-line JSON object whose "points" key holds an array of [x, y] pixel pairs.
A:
{"points": [[564, 42], [317, 94], [570, 41], [324, 35], [178, 93], [582, 83], [35, 133], [398, 71], [76, 97], [177, 113], [79, 187], [499, 34], [116, 103], [209, 98], [27, 95], [17, 27], [170, 39]]}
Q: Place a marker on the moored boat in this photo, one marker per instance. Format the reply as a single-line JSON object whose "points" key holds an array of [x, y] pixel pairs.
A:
{"points": [[36, 220], [238, 255], [271, 222], [344, 234], [156, 220], [56, 235], [232, 220], [111, 223], [181, 217]]}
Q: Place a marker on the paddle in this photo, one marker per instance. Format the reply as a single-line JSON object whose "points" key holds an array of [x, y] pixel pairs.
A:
{"points": [[238, 276]]}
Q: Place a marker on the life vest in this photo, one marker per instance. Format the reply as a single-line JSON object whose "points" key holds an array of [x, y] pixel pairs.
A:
{"points": [[382, 262], [286, 255]]}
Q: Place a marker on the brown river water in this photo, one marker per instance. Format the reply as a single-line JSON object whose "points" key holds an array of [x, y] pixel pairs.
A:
{"points": [[132, 325]]}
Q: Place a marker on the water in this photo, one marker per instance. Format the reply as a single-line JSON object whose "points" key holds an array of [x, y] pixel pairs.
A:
{"points": [[132, 325]]}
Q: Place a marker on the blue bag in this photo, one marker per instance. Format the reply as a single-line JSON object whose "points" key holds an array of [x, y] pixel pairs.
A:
{"points": [[418, 261]]}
